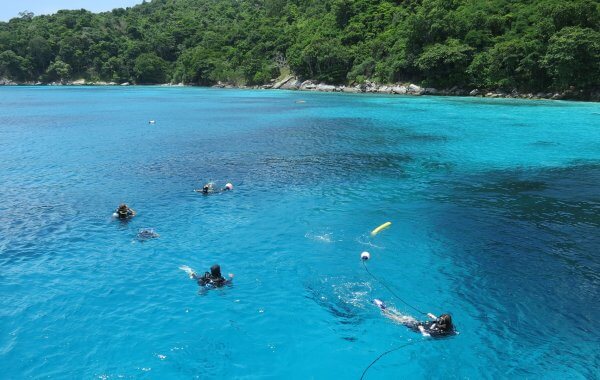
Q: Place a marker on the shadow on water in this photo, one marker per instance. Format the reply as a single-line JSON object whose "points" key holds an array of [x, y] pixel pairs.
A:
{"points": [[311, 150], [342, 299], [542, 143], [530, 239], [29, 227], [342, 132], [317, 168]]}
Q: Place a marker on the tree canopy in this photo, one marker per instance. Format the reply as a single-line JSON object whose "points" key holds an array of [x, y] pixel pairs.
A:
{"points": [[531, 45]]}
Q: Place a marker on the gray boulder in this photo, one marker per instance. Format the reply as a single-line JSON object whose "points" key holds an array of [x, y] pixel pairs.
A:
{"points": [[384, 90], [401, 90], [282, 82], [308, 85], [6, 82], [325, 87], [293, 84], [351, 90], [414, 89]]}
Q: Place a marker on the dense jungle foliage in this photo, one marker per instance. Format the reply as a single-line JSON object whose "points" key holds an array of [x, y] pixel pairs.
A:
{"points": [[508, 44]]}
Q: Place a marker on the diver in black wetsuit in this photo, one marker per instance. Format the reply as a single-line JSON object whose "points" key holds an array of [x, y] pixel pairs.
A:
{"points": [[212, 279], [124, 212], [438, 327], [206, 189], [209, 188]]}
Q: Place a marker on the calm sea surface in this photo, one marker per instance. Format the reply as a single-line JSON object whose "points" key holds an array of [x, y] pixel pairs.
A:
{"points": [[495, 206]]}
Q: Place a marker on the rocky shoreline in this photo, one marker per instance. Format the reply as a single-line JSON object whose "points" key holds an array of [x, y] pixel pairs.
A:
{"points": [[293, 83]]}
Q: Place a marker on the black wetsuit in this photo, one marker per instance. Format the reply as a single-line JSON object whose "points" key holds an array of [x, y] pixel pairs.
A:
{"points": [[432, 328], [124, 215], [210, 281]]}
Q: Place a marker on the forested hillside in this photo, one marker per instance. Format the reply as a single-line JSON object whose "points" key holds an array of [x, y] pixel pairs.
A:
{"points": [[528, 45]]}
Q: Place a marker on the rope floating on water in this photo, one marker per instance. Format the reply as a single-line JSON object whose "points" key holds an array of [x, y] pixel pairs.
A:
{"points": [[388, 352], [391, 291]]}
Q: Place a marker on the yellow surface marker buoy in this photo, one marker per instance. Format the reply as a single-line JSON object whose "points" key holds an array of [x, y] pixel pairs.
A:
{"points": [[380, 228]]}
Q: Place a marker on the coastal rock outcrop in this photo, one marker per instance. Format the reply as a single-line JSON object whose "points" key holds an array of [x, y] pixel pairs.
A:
{"points": [[7, 82], [413, 89], [400, 90], [291, 82], [384, 90], [308, 85], [292, 85], [351, 90], [283, 82], [325, 87]]}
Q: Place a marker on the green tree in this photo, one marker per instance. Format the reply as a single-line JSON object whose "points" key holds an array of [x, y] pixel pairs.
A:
{"points": [[196, 66], [13, 65], [40, 53], [322, 59], [516, 63], [149, 68], [444, 64], [59, 70], [573, 58]]}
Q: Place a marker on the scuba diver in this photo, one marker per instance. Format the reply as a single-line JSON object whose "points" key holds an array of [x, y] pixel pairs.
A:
{"points": [[206, 189], [124, 212], [209, 280], [147, 234], [438, 327], [209, 188]]}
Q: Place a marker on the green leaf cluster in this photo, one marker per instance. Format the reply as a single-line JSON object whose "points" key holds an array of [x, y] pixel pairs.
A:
{"points": [[532, 45]]}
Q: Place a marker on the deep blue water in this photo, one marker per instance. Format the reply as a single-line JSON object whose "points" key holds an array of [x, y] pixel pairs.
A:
{"points": [[495, 206]]}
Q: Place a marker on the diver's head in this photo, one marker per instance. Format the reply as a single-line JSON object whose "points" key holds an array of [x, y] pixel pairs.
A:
{"points": [[445, 322], [205, 188], [228, 186], [122, 208], [215, 270]]}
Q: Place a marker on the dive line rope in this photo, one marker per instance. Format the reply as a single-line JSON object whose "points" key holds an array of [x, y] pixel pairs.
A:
{"points": [[390, 290], [388, 352]]}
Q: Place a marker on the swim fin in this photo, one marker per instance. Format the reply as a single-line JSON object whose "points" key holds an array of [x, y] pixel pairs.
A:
{"points": [[187, 270], [379, 304]]}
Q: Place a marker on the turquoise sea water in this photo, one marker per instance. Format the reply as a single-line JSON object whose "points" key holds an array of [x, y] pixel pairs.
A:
{"points": [[495, 206]]}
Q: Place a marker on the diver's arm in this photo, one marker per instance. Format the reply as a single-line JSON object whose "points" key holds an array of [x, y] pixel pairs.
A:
{"points": [[431, 316], [423, 331]]}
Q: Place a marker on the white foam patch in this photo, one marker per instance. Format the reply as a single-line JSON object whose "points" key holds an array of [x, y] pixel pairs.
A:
{"points": [[326, 238]]}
